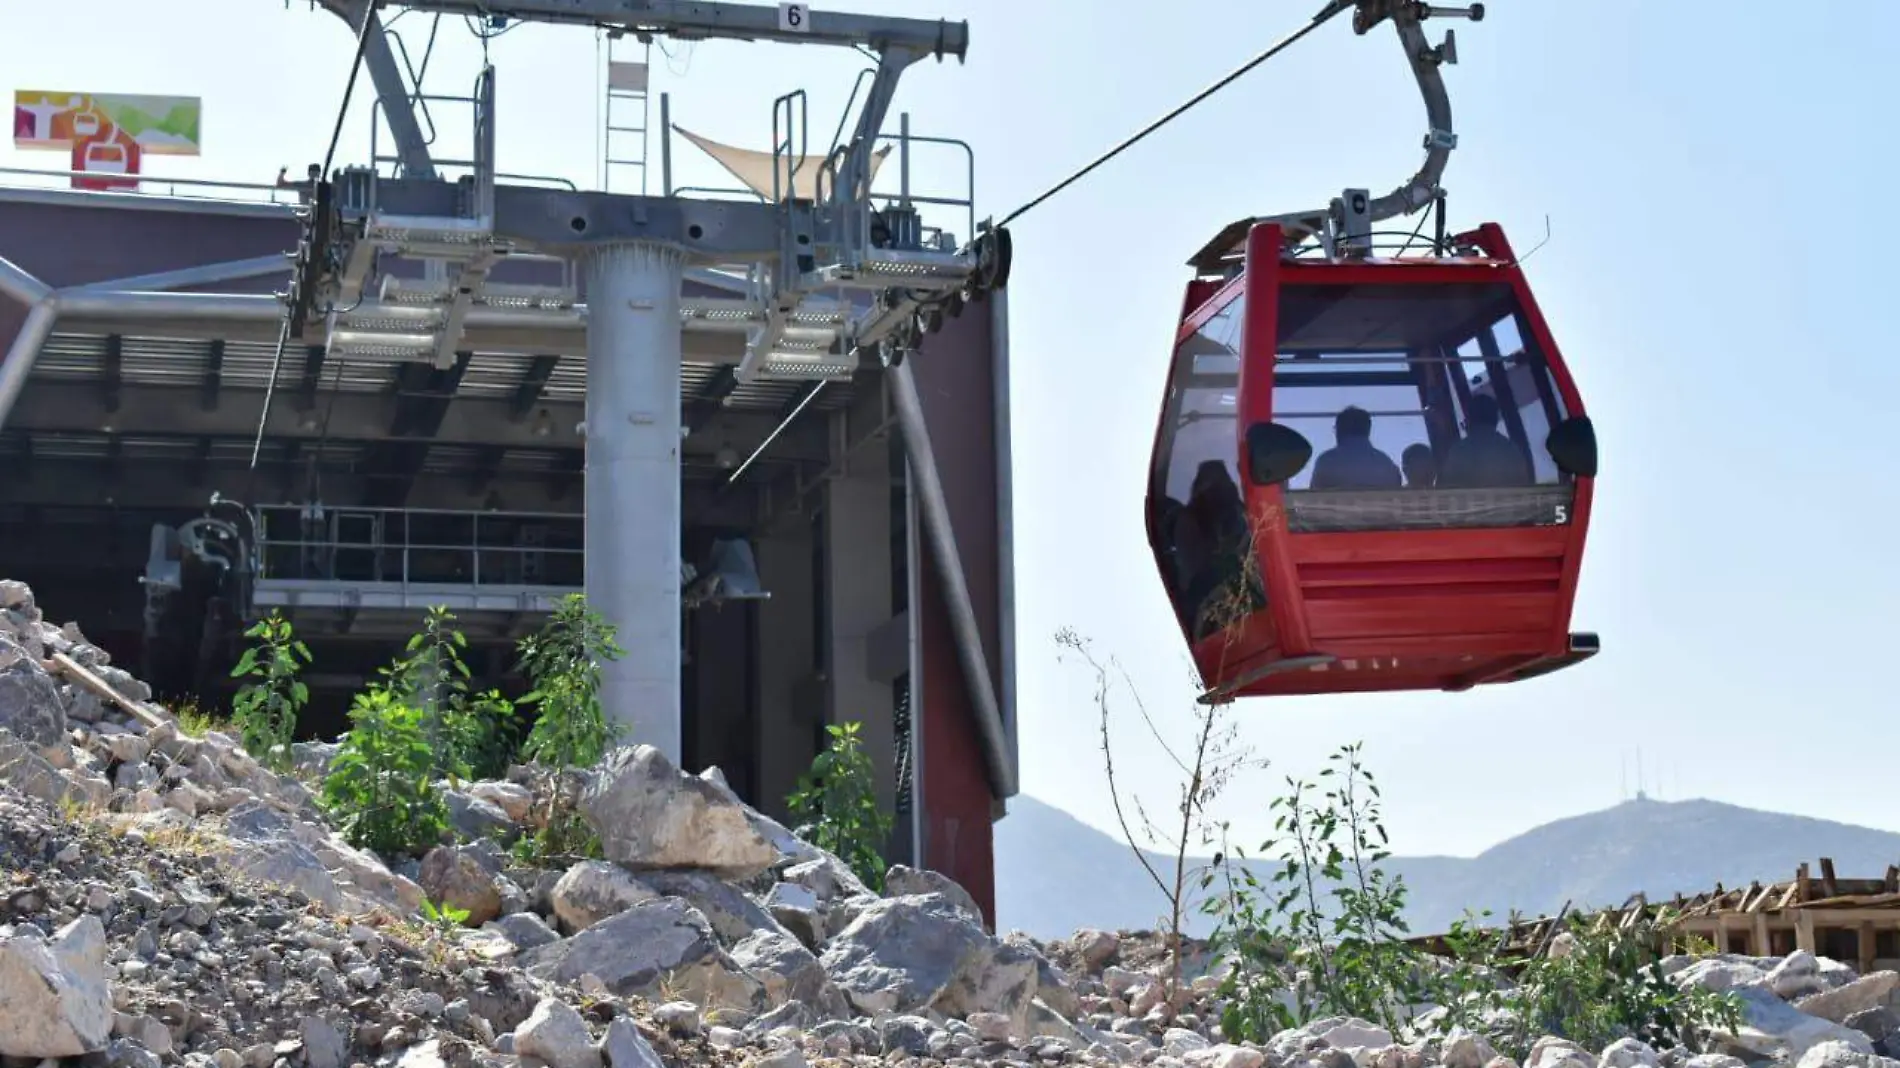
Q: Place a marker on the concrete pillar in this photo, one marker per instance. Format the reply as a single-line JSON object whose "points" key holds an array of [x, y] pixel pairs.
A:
{"points": [[633, 481], [787, 665], [857, 533]]}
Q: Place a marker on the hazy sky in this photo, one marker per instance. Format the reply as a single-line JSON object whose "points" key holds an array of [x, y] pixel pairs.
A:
{"points": [[1709, 177]]}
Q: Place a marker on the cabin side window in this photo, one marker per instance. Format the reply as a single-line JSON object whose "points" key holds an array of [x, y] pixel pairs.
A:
{"points": [[1199, 514], [1427, 405]]}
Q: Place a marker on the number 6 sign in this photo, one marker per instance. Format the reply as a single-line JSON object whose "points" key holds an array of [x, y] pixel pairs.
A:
{"points": [[794, 18]]}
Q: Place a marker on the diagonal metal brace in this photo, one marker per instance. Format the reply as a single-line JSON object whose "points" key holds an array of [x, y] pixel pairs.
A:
{"points": [[391, 91]]}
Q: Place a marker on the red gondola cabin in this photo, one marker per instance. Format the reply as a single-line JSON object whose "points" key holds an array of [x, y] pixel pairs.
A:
{"points": [[1370, 474]]}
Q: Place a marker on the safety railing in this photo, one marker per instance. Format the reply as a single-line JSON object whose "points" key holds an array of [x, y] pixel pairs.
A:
{"points": [[415, 547], [907, 142], [283, 192]]}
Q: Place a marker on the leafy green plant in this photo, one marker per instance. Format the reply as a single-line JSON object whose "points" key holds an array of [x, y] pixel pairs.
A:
{"points": [[1324, 935], [265, 711], [380, 783], [571, 730], [193, 720], [836, 805], [1604, 982], [445, 918], [563, 663], [466, 730]]}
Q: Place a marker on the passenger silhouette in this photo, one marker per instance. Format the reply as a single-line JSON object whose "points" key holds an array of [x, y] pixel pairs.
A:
{"points": [[1354, 463], [1421, 467], [1484, 457], [1214, 544]]}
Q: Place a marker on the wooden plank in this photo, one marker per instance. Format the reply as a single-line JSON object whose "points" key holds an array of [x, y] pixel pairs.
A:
{"points": [[1885, 919], [61, 664], [1801, 884], [1892, 882], [1804, 927], [1829, 888], [1854, 901], [1764, 946]]}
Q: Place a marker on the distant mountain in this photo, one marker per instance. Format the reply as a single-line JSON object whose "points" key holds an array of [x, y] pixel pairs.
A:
{"points": [[1056, 873]]}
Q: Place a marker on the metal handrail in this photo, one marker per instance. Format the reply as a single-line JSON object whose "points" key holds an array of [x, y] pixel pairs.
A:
{"points": [[904, 139], [390, 554], [276, 191]]}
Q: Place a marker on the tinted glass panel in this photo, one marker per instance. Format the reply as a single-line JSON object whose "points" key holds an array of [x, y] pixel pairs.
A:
{"points": [[1199, 517], [1425, 404]]}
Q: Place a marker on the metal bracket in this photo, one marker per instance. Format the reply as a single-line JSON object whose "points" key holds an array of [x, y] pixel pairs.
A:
{"points": [[1423, 188]]}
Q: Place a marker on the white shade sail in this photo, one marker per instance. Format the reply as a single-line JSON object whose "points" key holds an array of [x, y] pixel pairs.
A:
{"points": [[754, 169]]}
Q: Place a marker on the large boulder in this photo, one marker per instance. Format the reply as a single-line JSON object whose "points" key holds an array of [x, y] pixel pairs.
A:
{"points": [[27, 770], [1870, 991], [663, 942], [513, 799], [274, 847], [1721, 974], [473, 817], [54, 998], [651, 816], [909, 955], [555, 1035], [789, 972], [30, 706], [905, 881], [453, 877], [1774, 1029], [594, 890], [733, 915], [1841, 1055]]}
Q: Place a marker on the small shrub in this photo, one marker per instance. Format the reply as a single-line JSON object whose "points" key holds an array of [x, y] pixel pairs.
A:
{"points": [[563, 665], [265, 711], [466, 731], [836, 805], [445, 918], [380, 785], [194, 721], [1324, 935], [1607, 985], [1328, 914]]}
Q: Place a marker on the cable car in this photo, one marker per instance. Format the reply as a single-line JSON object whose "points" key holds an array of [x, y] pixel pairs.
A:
{"points": [[1371, 473]]}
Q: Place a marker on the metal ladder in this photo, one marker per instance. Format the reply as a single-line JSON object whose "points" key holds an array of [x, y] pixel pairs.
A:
{"points": [[623, 136]]}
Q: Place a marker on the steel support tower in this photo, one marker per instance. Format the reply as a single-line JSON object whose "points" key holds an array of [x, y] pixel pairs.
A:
{"points": [[838, 275]]}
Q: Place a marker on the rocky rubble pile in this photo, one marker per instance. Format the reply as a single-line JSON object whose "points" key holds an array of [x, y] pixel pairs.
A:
{"points": [[168, 900]]}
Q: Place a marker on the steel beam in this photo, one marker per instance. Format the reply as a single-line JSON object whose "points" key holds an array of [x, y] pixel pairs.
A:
{"points": [[186, 277], [423, 397], [166, 483], [533, 382], [42, 309], [259, 317], [700, 20], [561, 221], [941, 535], [392, 93], [68, 406]]}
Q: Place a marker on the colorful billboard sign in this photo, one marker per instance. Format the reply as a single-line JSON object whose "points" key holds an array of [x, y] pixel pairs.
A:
{"points": [[106, 133], [58, 121]]}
